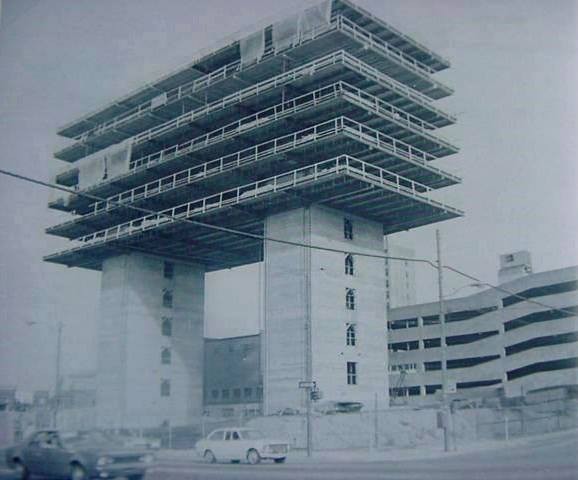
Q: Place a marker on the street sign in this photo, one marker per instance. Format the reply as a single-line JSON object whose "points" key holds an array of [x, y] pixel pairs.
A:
{"points": [[310, 385], [316, 395]]}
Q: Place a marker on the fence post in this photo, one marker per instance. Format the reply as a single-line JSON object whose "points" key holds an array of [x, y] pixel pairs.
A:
{"points": [[506, 426]]}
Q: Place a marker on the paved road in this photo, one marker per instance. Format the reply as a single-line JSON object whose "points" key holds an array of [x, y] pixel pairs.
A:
{"points": [[558, 460], [555, 460]]}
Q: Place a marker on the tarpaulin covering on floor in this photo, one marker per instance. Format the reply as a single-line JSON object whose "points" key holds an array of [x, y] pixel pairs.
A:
{"points": [[159, 101], [118, 158], [105, 164], [252, 48], [315, 17], [58, 197], [286, 33], [90, 170]]}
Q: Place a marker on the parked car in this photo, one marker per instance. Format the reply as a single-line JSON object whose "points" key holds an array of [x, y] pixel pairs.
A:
{"points": [[77, 456], [237, 444], [331, 407], [140, 442], [287, 411]]}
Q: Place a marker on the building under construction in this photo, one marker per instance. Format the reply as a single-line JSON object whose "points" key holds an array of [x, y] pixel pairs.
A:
{"points": [[318, 129]]}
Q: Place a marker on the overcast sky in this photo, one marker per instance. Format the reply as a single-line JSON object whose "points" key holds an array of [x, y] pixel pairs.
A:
{"points": [[515, 75]]}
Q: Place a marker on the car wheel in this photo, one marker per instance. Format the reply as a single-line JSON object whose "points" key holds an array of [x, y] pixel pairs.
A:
{"points": [[253, 457], [21, 470], [77, 472], [279, 460], [209, 457]]}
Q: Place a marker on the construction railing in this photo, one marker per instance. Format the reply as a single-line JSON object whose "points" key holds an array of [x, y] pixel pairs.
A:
{"points": [[340, 57], [343, 164], [396, 146], [279, 145], [190, 88]]}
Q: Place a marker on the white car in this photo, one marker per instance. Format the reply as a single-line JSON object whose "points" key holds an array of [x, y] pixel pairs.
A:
{"points": [[236, 444]]}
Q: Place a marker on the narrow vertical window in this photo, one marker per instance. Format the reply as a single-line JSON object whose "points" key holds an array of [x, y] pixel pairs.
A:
{"points": [[167, 298], [347, 229], [350, 298], [167, 327], [165, 388], [166, 356], [169, 270], [350, 335], [349, 265], [351, 373]]}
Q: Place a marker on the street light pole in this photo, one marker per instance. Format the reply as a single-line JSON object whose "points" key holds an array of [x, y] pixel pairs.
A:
{"points": [[447, 417], [58, 381]]}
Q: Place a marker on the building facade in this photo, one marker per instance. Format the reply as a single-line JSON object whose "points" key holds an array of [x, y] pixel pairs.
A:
{"points": [[319, 129], [400, 287], [233, 377], [496, 343]]}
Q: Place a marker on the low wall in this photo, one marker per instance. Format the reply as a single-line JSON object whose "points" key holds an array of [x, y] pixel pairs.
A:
{"points": [[403, 427], [400, 428]]}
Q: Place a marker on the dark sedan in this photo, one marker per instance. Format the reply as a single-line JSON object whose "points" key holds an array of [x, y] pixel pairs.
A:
{"points": [[77, 456]]}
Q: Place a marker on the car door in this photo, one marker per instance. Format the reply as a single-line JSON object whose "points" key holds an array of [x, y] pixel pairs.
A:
{"points": [[215, 443], [33, 454], [238, 446], [228, 448], [57, 457]]}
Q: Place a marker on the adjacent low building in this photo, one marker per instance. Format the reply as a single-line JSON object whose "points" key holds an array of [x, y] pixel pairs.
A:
{"points": [[233, 379], [498, 343]]}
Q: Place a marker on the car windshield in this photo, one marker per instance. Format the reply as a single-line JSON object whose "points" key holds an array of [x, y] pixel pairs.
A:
{"points": [[89, 440], [251, 434]]}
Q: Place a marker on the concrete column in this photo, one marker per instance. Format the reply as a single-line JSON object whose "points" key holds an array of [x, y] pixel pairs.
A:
{"points": [[131, 340], [306, 283]]}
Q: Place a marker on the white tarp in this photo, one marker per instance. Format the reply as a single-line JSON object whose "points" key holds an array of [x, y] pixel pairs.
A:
{"points": [[252, 48], [58, 197], [90, 170], [105, 164], [314, 17], [159, 101], [286, 33], [117, 159]]}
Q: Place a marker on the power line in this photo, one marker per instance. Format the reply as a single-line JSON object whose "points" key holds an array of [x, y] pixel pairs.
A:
{"points": [[265, 238]]}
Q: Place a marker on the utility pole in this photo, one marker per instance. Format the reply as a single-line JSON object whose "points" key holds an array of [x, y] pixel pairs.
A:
{"points": [[447, 416], [375, 423], [308, 334], [309, 429], [310, 387], [58, 381]]}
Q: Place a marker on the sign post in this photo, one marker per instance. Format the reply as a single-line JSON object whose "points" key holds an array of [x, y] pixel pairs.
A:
{"points": [[310, 387]]}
